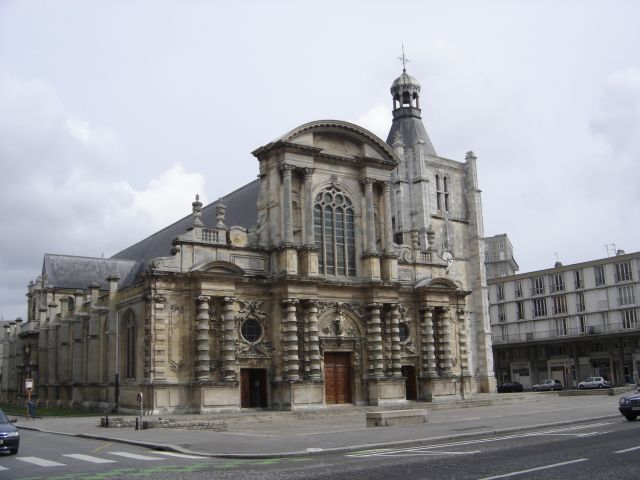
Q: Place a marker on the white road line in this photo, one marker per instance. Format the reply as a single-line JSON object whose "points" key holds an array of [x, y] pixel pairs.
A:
{"points": [[40, 462], [3, 468], [176, 454], [88, 458], [627, 450], [135, 456], [513, 474]]}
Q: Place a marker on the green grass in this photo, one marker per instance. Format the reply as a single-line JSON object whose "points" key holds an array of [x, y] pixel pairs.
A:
{"points": [[49, 411]]}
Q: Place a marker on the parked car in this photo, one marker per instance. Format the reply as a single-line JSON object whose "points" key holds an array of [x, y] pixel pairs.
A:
{"points": [[509, 387], [548, 384], [9, 435], [630, 406], [594, 382]]}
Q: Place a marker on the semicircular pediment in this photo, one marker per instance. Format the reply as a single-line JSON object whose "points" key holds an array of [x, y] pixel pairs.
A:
{"points": [[218, 266], [439, 283], [345, 129]]}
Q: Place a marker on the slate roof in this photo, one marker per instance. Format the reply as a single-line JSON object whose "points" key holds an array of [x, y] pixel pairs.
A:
{"points": [[67, 271], [242, 210], [407, 122]]}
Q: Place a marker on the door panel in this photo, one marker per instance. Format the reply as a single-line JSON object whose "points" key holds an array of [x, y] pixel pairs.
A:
{"points": [[337, 377]]}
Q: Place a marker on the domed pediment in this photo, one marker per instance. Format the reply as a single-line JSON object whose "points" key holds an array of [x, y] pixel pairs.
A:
{"points": [[219, 267], [438, 283]]}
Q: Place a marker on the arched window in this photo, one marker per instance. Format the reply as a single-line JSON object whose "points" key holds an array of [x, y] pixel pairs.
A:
{"points": [[334, 232]]}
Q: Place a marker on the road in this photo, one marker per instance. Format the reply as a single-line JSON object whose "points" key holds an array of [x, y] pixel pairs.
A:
{"points": [[600, 450]]}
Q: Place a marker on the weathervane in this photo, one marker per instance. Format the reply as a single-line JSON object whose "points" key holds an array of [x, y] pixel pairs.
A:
{"points": [[404, 60]]}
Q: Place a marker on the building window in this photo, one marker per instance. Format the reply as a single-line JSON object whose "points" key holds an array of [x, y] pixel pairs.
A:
{"points": [[520, 307], [557, 282], [503, 332], [580, 301], [500, 291], [577, 276], [404, 331], [501, 315], [582, 324], [334, 232], [517, 286], [539, 307], [442, 193], [599, 272], [559, 304], [630, 318], [251, 330], [626, 295], [537, 286], [560, 326], [130, 345], [623, 272], [501, 245]]}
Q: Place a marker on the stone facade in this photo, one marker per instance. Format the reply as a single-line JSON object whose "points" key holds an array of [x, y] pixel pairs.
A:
{"points": [[360, 281]]}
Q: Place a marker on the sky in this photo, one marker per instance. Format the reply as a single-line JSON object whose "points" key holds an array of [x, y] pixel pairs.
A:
{"points": [[115, 114]]}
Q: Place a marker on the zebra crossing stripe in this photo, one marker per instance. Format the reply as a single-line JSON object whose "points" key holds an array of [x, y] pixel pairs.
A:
{"points": [[3, 468], [135, 456], [176, 454], [88, 458], [41, 462]]}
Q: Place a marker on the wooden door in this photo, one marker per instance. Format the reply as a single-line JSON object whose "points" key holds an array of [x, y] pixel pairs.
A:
{"points": [[245, 388], [337, 377], [253, 388], [409, 373]]}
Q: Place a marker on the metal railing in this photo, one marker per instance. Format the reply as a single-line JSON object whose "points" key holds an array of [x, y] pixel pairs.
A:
{"points": [[565, 333]]}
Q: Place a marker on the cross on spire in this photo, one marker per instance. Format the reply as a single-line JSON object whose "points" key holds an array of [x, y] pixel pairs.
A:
{"points": [[404, 60]]}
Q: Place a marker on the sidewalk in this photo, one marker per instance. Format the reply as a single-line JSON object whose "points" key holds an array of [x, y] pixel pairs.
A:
{"points": [[275, 434]]}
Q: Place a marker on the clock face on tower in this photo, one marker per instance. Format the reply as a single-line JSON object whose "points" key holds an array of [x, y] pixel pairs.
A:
{"points": [[447, 256]]}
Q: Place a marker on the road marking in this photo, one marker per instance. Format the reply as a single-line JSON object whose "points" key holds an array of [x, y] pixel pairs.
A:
{"points": [[106, 445], [135, 456], [176, 454], [627, 450], [88, 458], [3, 468], [546, 467], [40, 462]]}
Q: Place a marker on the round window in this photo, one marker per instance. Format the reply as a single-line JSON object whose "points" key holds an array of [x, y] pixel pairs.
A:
{"points": [[404, 331], [251, 330]]}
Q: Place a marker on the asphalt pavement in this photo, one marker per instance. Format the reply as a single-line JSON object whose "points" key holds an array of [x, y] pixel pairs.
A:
{"points": [[264, 434]]}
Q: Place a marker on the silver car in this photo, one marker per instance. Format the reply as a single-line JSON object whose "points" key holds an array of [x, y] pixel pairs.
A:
{"points": [[594, 382], [548, 384]]}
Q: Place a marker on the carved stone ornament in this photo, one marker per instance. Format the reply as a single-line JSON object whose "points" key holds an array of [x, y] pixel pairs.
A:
{"points": [[177, 308], [176, 366], [250, 350]]}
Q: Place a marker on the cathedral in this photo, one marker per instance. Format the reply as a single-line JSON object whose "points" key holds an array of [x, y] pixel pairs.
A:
{"points": [[349, 272]]}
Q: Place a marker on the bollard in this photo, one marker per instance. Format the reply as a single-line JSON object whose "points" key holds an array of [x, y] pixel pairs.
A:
{"points": [[137, 422]]}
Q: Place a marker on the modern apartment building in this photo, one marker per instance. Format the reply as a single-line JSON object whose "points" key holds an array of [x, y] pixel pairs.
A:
{"points": [[568, 322]]}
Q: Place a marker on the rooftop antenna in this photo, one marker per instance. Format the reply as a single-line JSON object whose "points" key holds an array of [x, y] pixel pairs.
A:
{"points": [[557, 256], [613, 248], [404, 60]]}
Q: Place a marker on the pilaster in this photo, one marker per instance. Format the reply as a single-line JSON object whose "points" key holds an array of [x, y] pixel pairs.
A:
{"points": [[229, 341], [290, 340], [202, 340]]}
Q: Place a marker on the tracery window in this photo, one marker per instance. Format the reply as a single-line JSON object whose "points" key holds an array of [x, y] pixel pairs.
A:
{"points": [[130, 344], [334, 232]]}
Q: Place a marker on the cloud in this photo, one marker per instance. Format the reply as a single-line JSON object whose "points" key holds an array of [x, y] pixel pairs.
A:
{"points": [[377, 119], [66, 189]]}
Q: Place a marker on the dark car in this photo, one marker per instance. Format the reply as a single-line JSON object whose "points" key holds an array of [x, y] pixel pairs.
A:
{"points": [[509, 387], [9, 435], [548, 384], [630, 406]]}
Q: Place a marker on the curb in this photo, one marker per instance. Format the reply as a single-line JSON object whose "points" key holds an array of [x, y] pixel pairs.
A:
{"points": [[326, 451]]}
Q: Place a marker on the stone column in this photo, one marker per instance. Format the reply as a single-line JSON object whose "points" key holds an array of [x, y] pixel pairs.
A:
{"points": [[374, 341], [309, 240], [396, 365], [445, 342], [290, 340], [314, 340], [229, 341], [462, 341], [202, 339], [287, 207], [159, 339], [388, 227], [370, 217], [427, 341]]}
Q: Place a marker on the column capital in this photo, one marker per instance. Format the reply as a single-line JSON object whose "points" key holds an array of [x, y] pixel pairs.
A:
{"points": [[286, 169], [308, 173], [311, 302], [386, 186], [203, 299], [368, 181], [426, 308], [229, 300], [290, 302], [371, 306]]}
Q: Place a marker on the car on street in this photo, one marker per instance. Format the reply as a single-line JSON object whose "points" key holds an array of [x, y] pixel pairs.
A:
{"points": [[9, 435], [547, 385], [630, 406], [509, 387], [594, 382]]}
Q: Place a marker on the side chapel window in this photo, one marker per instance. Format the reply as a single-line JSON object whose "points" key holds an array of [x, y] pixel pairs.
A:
{"points": [[442, 193], [334, 232]]}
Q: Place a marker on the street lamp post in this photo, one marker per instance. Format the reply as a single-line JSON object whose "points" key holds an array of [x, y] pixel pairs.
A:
{"points": [[117, 379]]}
